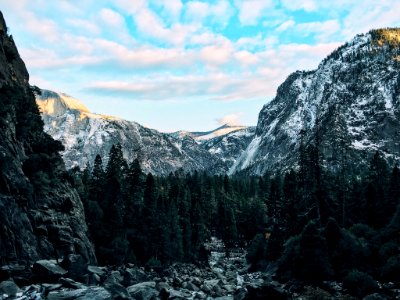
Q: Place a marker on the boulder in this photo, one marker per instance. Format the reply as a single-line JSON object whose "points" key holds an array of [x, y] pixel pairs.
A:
{"points": [[182, 294], [76, 266], [9, 288], [89, 293], [117, 291], [266, 291], [143, 290], [100, 271], [162, 285], [115, 277], [47, 271], [197, 281], [20, 274], [48, 287], [200, 295], [240, 294], [191, 287], [132, 276], [209, 284], [218, 291], [70, 283]]}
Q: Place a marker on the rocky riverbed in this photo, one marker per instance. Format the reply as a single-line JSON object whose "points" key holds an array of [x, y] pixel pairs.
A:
{"points": [[225, 277]]}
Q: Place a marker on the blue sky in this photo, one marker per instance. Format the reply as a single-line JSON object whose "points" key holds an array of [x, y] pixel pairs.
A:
{"points": [[181, 64]]}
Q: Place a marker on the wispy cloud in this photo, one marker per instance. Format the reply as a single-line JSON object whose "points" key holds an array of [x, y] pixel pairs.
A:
{"points": [[231, 119], [183, 51]]}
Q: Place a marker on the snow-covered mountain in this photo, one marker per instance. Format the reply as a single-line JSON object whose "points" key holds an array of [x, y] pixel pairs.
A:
{"points": [[202, 136], [85, 134], [351, 100]]}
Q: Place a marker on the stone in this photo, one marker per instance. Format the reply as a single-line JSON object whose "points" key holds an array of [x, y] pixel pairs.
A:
{"points": [[9, 288], [375, 296], [182, 294], [162, 285], [240, 294], [143, 290], [218, 291], [210, 283], [76, 266], [51, 286], [132, 276], [89, 293], [117, 291], [191, 287], [70, 283], [266, 291], [229, 288], [47, 271], [197, 281], [96, 270], [199, 295]]}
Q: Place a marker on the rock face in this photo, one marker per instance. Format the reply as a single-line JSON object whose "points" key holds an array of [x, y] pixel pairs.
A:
{"points": [[41, 216], [85, 134], [351, 102]]}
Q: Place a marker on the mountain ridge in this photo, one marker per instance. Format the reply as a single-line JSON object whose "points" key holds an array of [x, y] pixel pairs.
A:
{"points": [[85, 134], [351, 99]]}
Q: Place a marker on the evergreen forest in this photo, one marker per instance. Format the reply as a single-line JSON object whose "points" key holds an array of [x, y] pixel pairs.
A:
{"points": [[311, 225]]}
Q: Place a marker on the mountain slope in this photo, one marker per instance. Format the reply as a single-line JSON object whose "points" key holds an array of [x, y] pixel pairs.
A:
{"points": [[85, 135], [351, 100], [41, 215], [207, 135]]}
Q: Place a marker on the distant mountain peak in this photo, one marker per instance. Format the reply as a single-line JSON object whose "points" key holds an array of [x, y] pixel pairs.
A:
{"points": [[201, 136], [85, 134], [57, 104]]}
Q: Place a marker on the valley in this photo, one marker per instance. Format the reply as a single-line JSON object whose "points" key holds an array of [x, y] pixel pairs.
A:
{"points": [[306, 205]]}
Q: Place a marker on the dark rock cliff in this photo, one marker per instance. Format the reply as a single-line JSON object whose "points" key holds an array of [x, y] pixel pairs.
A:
{"points": [[41, 215]]}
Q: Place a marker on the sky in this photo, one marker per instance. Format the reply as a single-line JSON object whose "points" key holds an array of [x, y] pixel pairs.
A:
{"points": [[179, 64]]}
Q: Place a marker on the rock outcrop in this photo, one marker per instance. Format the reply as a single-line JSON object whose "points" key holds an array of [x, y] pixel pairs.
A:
{"points": [[41, 215], [351, 102]]}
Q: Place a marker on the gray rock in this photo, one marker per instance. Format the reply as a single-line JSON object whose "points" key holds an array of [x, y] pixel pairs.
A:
{"points": [[229, 288], [9, 288], [240, 294], [48, 270], [132, 276], [197, 281], [76, 266], [265, 291], [191, 287], [199, 295], [96, 270], [88, 293], [143, 290], [210, 283], [51, 286], [69, 283], [118, 291], [182, 294], [162, 285], [375, 296], [115, 278], [218, 291]]}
